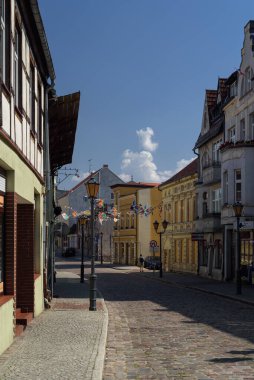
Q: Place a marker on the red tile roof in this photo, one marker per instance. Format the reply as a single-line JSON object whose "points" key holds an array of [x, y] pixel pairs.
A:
{"points": [[189, 170]]}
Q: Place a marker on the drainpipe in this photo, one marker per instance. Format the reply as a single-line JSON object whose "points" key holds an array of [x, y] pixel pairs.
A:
{"points": [[47, 209]]}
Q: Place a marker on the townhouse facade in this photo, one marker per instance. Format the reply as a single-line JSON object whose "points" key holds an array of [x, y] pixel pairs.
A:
{"points": [[207, 228], [237, 158], [26, 171], [134, 229], [178, 201], [76, 201], [26, 66]]}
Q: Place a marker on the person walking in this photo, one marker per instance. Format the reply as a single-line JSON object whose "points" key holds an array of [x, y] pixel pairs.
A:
{"points": [[141, 263]]}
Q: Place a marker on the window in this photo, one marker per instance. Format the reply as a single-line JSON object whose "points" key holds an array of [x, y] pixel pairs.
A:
{"points": [[17, 69], [238, 185], [248, 76], [251, 126], [216, 151], [225, 187], [132, 220], [32, 97], [39, 113], [181, 211], [242, 129], [233, 89], [231, 134], [5, 41], [216, 200]]}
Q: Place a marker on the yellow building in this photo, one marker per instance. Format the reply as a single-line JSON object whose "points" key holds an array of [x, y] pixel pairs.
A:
{"points": [[180, 253], [133, 232]]}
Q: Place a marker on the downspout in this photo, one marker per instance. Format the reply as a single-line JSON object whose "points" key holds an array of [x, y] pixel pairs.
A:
{"points": [[47, 200]]}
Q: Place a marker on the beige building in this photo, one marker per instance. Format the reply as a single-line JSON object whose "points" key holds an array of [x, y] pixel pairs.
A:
{"points": [[178, 198], [134, 230]]}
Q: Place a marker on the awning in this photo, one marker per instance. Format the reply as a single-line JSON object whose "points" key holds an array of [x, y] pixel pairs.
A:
{"points": [[63, 117]]}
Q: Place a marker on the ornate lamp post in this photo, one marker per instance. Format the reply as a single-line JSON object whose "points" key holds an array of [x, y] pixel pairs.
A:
{"points": [[82, 223], [101, 248], [156, 226], [238, 208], [92, 188]]}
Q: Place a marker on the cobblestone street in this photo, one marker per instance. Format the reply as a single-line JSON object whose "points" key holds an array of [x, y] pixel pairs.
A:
{"points": [[161, 331]]}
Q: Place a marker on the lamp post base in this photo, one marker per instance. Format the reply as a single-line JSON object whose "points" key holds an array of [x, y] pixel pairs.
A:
{"points": [[82, 273], [93, 290]]}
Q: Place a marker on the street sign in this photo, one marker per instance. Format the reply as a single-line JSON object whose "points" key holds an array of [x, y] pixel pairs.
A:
{"points": [[153, 243]]}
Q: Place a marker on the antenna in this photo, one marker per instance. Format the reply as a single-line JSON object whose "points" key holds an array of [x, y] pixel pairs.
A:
{"points": [[90, 165]]}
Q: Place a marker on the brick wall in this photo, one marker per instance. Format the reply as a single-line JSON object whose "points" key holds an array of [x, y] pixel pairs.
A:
{"points": [[25, 257], [10, 243]]}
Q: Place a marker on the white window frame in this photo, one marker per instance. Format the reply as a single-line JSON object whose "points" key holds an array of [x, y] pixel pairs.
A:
{"points": [[231, 134], [16, 68], [216, 200], [216, 151]]}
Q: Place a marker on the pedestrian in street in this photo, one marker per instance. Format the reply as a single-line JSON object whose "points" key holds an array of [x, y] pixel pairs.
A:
{"points": [[141, 263]]}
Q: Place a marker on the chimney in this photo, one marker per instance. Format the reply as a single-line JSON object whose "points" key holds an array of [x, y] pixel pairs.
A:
{"points": [[105, 165]]}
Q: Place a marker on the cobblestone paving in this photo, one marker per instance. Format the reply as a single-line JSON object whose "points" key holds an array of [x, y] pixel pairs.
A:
{"points": [[61, 343], [161, 331]]}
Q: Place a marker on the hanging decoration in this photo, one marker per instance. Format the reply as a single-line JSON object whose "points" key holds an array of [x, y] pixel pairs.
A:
{"points": [[144, 210], [100, 214]]}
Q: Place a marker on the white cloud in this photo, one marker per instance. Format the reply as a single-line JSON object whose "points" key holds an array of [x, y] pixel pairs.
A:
{"points": [[141, 166], [145, 139]]}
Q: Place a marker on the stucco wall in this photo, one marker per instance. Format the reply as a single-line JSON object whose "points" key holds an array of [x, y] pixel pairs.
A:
{"points": [[38, 296], [6, 325]]}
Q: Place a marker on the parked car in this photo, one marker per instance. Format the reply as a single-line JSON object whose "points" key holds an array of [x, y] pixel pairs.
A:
{"points": [[152, 262], [69, 252]]}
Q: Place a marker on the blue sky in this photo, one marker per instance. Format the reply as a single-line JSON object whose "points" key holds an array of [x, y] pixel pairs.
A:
{"points": [[142, 67]]}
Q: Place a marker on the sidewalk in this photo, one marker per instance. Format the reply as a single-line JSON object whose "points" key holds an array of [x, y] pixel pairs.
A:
{"points": [[207, 285], [65, 342]]}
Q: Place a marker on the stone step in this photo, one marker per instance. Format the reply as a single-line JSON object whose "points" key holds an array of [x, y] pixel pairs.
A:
{"points": [[23, 318]]}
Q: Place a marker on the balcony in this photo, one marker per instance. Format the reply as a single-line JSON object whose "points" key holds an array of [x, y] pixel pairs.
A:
{"points": [[209, 222], [211, 172]]}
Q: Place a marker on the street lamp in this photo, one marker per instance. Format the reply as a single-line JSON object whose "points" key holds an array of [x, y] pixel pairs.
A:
{"points": [[82, 223], [92, 188], [238, 208], [101, 248], [156, 226]]}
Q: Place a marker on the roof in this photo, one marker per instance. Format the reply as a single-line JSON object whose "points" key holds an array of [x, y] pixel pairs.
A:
{"points": [[63, 117], [189, 170], [43, 38], [211, 98]]}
